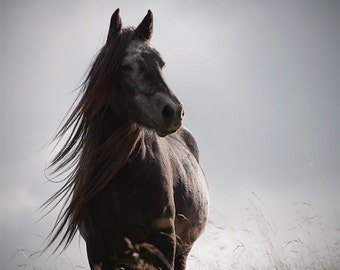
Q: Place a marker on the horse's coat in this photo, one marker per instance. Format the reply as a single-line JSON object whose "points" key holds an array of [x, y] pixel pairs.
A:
{"points": [[135, 191]]}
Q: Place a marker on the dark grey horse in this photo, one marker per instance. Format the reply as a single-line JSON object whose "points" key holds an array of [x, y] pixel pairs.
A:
{"points": [[135, 189]]}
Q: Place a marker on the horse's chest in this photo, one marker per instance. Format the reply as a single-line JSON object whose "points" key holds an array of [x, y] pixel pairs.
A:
{"points": [[148, 190], [133, 198]]}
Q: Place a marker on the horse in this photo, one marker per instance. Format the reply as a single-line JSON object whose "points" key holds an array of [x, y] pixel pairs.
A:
{"points": [[134, 186]]}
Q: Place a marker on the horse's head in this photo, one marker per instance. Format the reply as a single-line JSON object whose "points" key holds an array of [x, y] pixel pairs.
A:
{"points": [[146, 98]]}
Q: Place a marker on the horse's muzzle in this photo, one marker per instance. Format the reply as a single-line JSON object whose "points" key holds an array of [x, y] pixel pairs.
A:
{"points": [[172, 116]]}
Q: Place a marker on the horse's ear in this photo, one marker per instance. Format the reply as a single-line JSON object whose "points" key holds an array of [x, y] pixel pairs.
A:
{"points": [[145, 28], [115, 24]]}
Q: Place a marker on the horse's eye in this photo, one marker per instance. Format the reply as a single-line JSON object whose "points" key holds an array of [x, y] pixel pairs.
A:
{"points": [[126, 67]]}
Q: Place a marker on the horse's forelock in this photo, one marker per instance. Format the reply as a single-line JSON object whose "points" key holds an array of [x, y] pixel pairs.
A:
{"points": [[100, 85]]}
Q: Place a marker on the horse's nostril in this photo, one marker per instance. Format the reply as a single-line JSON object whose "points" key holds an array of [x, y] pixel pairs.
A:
{"points": [[168, 112], [181, 113]]}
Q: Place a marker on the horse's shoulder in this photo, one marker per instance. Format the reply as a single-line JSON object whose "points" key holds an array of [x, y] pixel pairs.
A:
{"points": [[188, 138]]}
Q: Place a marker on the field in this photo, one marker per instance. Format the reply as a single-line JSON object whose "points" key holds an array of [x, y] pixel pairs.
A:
{"points": [[257, 242]]}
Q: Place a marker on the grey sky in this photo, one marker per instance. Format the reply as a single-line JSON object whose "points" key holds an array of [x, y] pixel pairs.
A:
{"points": [[260, 81]]}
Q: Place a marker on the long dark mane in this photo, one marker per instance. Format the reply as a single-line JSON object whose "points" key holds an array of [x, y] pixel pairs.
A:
{"points": [[98, 146]]}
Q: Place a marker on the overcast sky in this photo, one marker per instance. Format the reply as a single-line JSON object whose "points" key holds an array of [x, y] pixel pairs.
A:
{"points": [[260, 81]]}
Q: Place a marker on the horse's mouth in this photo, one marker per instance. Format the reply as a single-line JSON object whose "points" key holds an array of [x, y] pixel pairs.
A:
{"points": [[162, 132], [170, 130]]}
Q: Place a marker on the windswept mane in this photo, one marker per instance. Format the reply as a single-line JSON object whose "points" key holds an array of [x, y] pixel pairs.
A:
{"points": [[98, 145]]}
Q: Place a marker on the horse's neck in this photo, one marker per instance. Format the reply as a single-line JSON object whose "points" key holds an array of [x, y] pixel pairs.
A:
{"points": [[110, 122], [151, 145]]}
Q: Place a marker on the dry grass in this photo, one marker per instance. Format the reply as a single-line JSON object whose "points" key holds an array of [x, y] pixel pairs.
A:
{"points": [[32, 260], [255, 244]]}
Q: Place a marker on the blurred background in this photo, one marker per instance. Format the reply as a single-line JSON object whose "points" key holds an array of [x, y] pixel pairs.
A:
{"points": [[260, 81]]}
